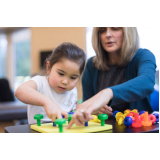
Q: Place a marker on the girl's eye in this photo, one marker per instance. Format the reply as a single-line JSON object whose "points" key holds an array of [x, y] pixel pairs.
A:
{"points": [[61, 74], [73, 78]]}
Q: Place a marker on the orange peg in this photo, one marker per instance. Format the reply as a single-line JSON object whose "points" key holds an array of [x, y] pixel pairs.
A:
{"points": [[146, 121]]}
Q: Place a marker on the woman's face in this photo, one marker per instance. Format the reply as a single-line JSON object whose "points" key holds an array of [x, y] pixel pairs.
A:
{"points": [[111, 38]]}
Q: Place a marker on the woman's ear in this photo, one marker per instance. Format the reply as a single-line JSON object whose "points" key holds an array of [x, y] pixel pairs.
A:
{"points": [[48, 67]]}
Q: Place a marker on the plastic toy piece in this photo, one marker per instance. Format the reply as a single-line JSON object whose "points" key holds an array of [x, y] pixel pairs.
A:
{"points": [[128, 121], [95, 119], [126, 112], [135, 111], [120, 117], [54, 124], [102, 117], [138, 122], [141, 112], [152, 118], [69, 117], [157, 117], [114, 113], [146, 121], [38, 117], [60, 123], [71, 113], [86, 124]]}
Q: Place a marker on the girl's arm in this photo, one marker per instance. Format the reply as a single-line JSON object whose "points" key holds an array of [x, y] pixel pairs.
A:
{"points": [[27, 93]]}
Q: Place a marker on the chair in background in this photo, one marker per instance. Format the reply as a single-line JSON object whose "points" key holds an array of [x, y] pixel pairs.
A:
{"points": [[10, 107], [6, 94]]}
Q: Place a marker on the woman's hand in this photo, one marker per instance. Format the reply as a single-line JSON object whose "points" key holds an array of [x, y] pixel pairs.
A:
{"points": [[105, 110], [53, 111], [91, 106]]}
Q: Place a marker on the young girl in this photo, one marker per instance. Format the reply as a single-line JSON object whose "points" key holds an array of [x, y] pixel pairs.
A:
{"points": [[56, 94]]}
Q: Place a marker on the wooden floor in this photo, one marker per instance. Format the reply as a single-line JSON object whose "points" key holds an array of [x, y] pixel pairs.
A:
{"points": [[4, 124]]}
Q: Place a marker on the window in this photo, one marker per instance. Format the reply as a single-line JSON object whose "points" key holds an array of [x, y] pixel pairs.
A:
{"points": [[3, 53], [21, 51]]}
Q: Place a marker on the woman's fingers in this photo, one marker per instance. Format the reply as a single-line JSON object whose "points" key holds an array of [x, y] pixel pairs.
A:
{"points": [[70, 124]]}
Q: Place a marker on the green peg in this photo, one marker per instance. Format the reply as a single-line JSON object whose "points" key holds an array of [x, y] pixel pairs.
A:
{"points": [[102, 117], [60, 123], [38, 117], [69, 117]]}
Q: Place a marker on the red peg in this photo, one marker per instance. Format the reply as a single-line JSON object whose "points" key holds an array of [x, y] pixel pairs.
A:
{"points": [[138, 122], [152, 118]]}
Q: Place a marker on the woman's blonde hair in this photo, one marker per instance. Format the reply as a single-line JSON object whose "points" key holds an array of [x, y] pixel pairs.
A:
{"points": [[129, 48]]}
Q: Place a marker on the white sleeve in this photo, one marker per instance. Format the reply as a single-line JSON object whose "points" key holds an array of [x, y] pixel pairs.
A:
{"points": [[38, 80], [75, 98]]}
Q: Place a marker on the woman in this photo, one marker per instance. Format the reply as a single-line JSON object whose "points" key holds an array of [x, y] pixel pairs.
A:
{"points": [[121, 75]]}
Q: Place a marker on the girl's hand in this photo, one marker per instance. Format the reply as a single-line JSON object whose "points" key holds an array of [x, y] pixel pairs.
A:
{"points": [[53, 111], [91, 106]]}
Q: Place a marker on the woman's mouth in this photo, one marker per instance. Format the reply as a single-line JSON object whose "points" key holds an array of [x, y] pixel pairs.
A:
{"points": [[109, 43]]}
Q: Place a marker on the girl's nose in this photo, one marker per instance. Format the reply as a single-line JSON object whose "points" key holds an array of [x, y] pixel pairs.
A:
{"points": [[64, 81]]}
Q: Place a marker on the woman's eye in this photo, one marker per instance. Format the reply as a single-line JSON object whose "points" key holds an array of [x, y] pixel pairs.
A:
{"points": [[61, 74], [102, 30], [115, 28]]}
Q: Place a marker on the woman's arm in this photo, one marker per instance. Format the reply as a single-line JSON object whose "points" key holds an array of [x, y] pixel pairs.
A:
{"points": [[27, 93], [140, 86]]}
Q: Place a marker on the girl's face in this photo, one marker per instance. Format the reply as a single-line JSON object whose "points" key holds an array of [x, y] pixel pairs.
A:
{"points": [[63, 76], [111, 39]]}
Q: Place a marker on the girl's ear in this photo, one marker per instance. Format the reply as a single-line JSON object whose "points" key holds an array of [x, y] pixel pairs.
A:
{"points": [[48, 67]]}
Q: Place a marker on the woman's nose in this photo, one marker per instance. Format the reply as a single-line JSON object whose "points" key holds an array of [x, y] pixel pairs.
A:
{"points": [[108, 33]]}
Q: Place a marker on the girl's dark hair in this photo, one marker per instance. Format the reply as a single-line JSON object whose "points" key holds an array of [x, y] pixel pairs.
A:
{"points": [[68, 51]]}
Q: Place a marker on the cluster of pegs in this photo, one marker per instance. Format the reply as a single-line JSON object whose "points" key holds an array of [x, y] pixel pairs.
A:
{"points": [[135, 119]]}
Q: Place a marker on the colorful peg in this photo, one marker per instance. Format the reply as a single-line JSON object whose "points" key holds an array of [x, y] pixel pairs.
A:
{"points": [[86, 124], [120, 117], [69, 117], [141, 112], [152, 118], [126, 112], [102, 117], [157, 117], [114, 113], [138, 122], [127, 121], [146, 121], [60, 123], [38, 117]]}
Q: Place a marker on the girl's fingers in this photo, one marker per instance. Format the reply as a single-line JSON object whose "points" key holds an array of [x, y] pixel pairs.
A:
{"points": [[65, 114], [53, 117], [59, 116]]}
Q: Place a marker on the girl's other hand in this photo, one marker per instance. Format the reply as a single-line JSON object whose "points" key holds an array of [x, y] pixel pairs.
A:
{"points": [[53, 111]]}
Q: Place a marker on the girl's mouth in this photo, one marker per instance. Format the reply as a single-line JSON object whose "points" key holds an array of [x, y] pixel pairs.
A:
{"points": [[61, 88]]}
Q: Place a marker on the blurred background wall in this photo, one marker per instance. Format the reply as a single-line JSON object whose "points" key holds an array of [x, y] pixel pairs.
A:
{"points": [[22, 47]]}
